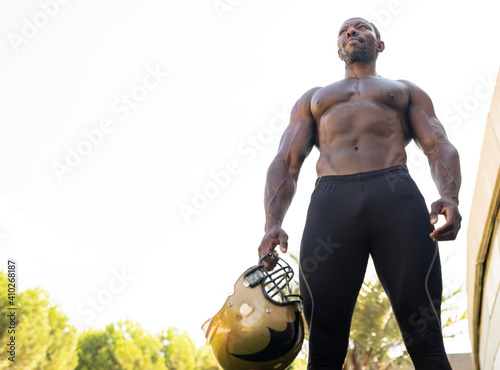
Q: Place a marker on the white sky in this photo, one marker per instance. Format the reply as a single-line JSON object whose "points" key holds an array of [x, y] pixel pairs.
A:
{"points": [[220, 83]]}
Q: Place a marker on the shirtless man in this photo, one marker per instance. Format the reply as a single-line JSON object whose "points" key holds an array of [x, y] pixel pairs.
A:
{"points": [[365, 202]]}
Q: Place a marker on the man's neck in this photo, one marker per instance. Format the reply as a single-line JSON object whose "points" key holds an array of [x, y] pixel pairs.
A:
{"points": [[360, 70]]}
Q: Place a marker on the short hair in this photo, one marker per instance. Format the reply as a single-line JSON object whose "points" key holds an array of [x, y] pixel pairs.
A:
{"points": [[377, 33]]}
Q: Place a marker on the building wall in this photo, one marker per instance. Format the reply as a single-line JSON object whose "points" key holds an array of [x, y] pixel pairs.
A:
{"points": [[458, 361], [483, 248], [461, 361]]}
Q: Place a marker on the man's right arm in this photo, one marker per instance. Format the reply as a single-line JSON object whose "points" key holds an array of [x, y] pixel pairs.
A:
{"points": [[282, 175]]}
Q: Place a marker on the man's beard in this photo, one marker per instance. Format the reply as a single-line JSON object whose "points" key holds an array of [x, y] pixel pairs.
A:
{"points": [[359, 55]]}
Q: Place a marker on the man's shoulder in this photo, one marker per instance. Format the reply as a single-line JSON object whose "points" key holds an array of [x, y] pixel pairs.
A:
{"points": [[306, 98], [334, 84], [416, 92], [309, 93], [410, 85]]}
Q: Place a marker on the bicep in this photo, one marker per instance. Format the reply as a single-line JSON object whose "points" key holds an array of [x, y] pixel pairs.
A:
{"points": [[297, 141], [300, 135], [426, 129]]}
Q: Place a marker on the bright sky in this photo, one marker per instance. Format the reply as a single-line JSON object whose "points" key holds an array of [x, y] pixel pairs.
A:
{"points": [[135, 137]]}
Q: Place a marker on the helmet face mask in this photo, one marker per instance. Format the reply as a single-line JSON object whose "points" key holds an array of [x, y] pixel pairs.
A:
{"points": [[260, 325], [275, 283]]}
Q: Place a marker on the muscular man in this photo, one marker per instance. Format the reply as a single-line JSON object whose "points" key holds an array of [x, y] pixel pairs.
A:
{"points": [[365, 202]]}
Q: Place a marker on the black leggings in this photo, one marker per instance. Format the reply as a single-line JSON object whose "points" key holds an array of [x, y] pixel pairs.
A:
{"points": [[381, 213]]}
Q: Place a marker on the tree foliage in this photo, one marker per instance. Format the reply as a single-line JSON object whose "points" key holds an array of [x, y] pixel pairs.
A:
{"points": [[375, 333], [121, 346], [376, 342], [43, 337], [125, 345], [181, 353], [45, 340]]}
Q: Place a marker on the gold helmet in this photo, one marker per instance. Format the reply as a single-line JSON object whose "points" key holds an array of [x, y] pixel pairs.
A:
{"points": [[260, 326]]}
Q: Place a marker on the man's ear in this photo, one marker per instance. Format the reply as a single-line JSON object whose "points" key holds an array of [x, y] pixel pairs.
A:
{"points": [[380, 46], [339, 52]]}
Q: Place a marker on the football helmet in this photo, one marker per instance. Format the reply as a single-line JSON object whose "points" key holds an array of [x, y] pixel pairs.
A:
{"points": [[261, 324]]}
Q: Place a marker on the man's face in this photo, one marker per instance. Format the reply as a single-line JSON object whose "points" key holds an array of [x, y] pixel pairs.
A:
{"points": [[358, 42]]}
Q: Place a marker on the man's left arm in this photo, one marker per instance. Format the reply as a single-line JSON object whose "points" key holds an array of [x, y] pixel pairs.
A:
{"points": [[430, 136]]}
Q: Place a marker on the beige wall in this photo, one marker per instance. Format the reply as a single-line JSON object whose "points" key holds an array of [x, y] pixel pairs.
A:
{"points": [[483, 248], [461, 361]]}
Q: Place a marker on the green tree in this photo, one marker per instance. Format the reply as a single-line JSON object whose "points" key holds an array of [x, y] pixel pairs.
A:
{"points": [[374, 332], [94, 351], [61, 353], [300, 363], [121, 346], [205, 360], [44, 339], [181, 353], [375, 340], [178, 350]]}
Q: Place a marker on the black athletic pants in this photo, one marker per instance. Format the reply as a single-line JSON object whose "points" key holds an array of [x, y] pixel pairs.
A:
{"points": [[381, 213]]}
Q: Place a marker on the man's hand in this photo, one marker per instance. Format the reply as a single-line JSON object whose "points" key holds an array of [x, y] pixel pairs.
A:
{"points": [[448, 208], [274, 236]]}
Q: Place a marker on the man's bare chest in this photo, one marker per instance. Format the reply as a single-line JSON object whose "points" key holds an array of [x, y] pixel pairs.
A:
{"points": [[352, 91]]}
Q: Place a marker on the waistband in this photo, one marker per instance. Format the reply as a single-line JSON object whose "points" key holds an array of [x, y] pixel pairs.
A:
{"points": [[362, 175]]}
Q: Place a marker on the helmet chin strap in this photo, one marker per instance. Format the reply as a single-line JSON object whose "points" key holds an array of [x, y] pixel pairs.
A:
{"points": [[261, 259]]}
